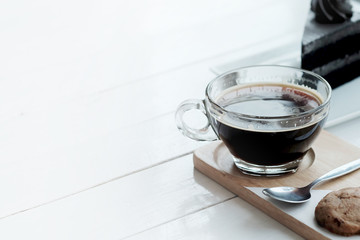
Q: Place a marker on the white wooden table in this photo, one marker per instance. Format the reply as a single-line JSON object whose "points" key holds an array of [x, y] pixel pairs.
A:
{"points": [[88, 89]]}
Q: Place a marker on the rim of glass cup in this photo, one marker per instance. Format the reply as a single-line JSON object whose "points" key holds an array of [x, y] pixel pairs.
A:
{"points": [[248, 116]]}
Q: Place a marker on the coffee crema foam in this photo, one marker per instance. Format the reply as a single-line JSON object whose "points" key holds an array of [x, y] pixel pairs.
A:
{"points": [[269, 101]]}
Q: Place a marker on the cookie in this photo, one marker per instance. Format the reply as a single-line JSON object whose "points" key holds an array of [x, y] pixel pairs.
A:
{"points": [[339, 211]]}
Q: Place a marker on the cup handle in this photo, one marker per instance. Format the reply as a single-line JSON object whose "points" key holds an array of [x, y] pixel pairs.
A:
{"points": [[202, 134]]}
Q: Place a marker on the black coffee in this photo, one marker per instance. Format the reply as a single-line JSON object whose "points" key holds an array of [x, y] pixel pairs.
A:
{"points": [[262, 143]]}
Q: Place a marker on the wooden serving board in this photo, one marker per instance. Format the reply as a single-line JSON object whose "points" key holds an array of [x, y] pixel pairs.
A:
{"points": [[328, 152]]}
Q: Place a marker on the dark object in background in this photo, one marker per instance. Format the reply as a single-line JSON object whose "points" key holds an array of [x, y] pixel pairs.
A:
{"points": [[331, 41]]}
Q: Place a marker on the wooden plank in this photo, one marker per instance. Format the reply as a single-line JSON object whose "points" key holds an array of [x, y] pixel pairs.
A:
{"points": [[215, 161], [37, 167], [120, 208]]}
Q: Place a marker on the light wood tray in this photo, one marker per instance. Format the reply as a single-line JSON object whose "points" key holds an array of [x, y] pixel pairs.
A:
{"points": [[328, 152]]}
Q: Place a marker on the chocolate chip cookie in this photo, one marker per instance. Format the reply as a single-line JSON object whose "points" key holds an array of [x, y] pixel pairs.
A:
{"points": [[339, 211]]}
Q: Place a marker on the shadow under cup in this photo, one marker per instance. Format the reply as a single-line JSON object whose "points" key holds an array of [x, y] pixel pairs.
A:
{"points": [[267, 116]]}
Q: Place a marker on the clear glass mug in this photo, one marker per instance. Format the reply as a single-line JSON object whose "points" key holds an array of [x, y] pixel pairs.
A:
{"points": [[267, 116]]}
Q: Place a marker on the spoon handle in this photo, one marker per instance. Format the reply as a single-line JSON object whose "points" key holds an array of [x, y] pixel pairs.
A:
{"points": [[337, 172]]}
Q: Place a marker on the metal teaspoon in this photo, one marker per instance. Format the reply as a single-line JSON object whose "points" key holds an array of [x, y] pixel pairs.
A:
{"points": [[302, 194]]}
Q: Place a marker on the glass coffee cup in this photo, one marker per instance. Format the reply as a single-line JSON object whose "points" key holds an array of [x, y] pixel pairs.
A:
{"points": [[267, 116]]}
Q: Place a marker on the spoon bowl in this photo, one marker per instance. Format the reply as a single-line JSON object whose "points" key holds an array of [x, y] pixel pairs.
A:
{"points": [[288, 194], [302, 194]]}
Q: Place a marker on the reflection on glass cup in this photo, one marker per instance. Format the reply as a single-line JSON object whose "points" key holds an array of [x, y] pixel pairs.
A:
{"points": [[267, 116]]}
